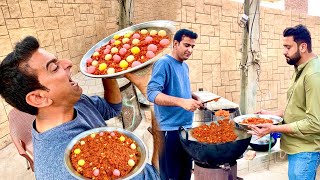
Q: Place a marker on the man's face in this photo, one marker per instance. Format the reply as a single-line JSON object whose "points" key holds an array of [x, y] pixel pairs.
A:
{"points": [[55, 75], [291, 50], [184, 48]]}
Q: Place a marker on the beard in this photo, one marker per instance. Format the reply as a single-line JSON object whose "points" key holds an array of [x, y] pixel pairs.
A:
{"points": [[294, 59]]}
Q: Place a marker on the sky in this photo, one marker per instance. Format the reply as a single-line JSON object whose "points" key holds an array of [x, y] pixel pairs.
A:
{"points": [[313, 6]]}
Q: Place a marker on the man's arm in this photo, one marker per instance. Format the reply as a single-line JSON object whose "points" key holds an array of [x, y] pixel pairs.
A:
{"points": [[276, 112], [310, 124], [187, 104], [111, 91], [140, 81], [264, 129]]}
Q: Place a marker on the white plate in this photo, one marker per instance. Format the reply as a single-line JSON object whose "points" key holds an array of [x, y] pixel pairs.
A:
{"points": [[157, 25], [238, 120]]}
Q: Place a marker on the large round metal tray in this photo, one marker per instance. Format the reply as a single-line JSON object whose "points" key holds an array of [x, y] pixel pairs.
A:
{"points": [[140, 146], [156, 25], [238, 120]]}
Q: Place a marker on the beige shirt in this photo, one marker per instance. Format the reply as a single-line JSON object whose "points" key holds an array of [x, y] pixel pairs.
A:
{"points": [[302, 112]]}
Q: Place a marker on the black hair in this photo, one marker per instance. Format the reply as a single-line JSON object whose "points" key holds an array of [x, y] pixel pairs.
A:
{"points": [[17, 78], [184, 32], [300, 35]]}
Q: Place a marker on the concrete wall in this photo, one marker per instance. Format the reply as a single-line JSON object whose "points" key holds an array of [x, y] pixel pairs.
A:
{"points": [[300, 6], [69, 28], [214, 65]]}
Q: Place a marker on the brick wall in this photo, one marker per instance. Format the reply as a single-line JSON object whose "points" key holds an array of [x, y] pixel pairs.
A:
{"points": [[298, 6], [70, 27], [214, 65], [67, 28]]}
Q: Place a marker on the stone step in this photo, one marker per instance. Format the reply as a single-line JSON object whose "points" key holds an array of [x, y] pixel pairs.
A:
{"points": [[262, 161]]}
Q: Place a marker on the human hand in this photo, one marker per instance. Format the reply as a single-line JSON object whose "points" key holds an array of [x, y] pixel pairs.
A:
{"points": [[140, 82], [260, 130], [262, 111], [191, 104], [276, 113]]}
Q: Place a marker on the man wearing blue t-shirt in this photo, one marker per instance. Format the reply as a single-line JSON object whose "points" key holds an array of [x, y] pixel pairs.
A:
{"points": [[37, 82], [169, 89]]}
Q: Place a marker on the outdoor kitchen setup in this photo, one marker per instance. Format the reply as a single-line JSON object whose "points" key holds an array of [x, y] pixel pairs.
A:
{"points": [[212, 160], [216, 160]]}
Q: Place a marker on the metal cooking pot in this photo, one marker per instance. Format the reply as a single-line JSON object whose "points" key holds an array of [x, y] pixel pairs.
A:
{"points": [[213, 155], [262, 144], [207, 115]]}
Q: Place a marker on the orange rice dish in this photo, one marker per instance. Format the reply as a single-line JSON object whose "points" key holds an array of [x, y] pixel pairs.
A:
{"points": [[222, 113], [105, 155], [127, 51], [254, 120], [214, 133]]}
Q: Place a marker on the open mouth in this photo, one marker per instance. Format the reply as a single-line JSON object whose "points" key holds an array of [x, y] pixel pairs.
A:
{"points": [[73, 83]]}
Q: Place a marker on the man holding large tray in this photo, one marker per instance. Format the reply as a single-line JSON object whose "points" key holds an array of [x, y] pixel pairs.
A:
{"points": [[36, 82]]}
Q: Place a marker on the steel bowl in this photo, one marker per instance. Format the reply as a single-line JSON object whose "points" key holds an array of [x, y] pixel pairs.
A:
{"points": [[262, 144], [238, 120], [156, 25], [140, 146]]}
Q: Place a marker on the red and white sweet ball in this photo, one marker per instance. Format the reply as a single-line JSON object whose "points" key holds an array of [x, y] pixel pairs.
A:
{"points": [[127, 46], [152, 47], [89, 60], [116, 58], [148, 39], [150, 54], [122, 51], [135, 63], [106, 51], [136, 36], [91, 69], [164, 42]]}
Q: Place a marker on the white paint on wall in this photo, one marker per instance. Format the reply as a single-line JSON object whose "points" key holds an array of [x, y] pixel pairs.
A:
{"points": [[313, 7], [275, 5]]}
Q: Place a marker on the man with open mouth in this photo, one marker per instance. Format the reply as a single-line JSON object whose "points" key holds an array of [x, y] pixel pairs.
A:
{"points": [[37, 82]]}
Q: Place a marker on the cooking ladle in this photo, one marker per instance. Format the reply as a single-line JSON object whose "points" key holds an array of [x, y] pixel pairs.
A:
{"points": [[215, 100], [213, 113]]}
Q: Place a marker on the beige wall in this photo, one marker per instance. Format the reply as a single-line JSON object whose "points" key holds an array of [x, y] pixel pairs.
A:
{"points": [[300, 6], [64, 27], [214, 65], [70, 27], [67, 28]]}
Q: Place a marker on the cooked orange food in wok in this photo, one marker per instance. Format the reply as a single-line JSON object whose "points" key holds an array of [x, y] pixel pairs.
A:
{"points": [[255, 120], [213, 133], [127, 51]]}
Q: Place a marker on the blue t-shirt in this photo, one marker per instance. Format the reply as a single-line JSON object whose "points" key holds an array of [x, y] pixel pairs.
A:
{"points": [[171, 77], [50, 145]]}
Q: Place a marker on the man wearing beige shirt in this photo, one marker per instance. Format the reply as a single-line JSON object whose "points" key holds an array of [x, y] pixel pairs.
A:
{"points": [[301, 127]]}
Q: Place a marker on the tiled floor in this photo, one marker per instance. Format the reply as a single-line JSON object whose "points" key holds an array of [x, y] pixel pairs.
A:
{"points": [[13, 166]]}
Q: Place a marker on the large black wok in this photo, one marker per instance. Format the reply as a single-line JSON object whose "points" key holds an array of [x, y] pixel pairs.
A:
{"points": [[213, 155]]}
